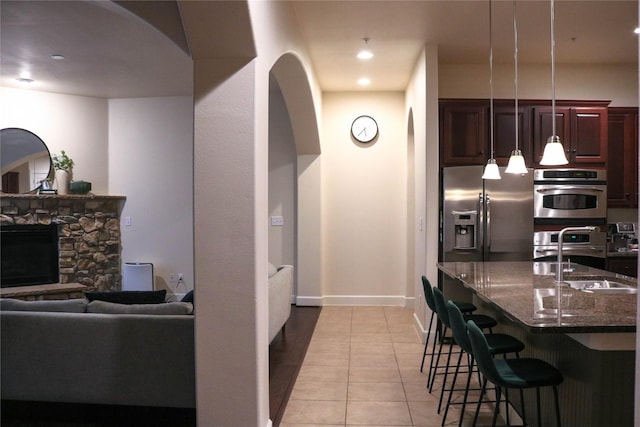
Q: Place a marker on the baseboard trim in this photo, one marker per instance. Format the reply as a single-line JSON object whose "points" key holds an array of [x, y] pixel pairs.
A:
{"points": [[357, 300]]}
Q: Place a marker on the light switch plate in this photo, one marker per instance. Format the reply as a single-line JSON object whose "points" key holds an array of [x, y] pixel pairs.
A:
{"points": [[277, 220]]}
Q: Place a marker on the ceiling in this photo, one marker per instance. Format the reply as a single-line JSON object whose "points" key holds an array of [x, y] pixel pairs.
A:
{"points": [[109, 52]]}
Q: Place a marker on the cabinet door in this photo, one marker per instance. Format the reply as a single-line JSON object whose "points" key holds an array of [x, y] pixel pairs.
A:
{"points": [[588, 135], [626, 266], [543, 129], [622, 164], [463, 134], [505, 131]]}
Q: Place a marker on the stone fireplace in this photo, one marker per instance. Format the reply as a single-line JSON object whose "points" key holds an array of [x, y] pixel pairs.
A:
{"points": [[88, 238]]}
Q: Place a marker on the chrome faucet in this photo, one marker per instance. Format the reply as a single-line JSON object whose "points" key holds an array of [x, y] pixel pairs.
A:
{"points": [[560, 241]]}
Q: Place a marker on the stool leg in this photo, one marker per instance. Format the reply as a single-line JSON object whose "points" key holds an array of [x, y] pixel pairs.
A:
{"points": [[495, 409], [455, 376], [426, 344], [555, 396], [436, 339], [443, 334], [482, 391], [446, 374], [538, 405]]}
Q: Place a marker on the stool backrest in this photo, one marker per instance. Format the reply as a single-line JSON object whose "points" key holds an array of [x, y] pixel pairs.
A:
{"points": [[441, 307], [428, 294], [458, 327], [482, 354]]}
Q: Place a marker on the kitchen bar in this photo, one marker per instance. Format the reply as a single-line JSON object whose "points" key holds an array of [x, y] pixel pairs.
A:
{"points": [[588, 334]]}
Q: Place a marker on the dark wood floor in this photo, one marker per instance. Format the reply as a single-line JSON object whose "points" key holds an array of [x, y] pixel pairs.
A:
{"points": [[286, 353]]}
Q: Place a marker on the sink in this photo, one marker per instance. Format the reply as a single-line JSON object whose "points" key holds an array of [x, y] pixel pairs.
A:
{"points": [[602, 286]]}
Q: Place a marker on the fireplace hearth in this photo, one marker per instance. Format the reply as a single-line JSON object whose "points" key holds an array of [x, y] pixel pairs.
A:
{"points": [[29, 255]]}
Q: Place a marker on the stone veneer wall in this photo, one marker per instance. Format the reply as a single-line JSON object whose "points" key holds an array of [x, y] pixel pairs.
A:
{"points": [[88, 230]]}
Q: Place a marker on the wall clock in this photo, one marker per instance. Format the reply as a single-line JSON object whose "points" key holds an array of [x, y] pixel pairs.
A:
{"points": [[364, 129]]}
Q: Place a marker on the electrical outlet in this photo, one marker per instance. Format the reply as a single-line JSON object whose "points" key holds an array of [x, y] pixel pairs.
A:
{"points": [[180, 277], [173, 278]]}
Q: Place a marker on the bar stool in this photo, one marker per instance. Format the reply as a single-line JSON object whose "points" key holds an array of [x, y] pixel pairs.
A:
{"points": [[519, 374], [482, 320], [498, 344], [465, 307]]}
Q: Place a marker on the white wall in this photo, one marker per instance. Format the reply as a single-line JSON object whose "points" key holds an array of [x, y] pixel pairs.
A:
{"points": [[282, 181], [617, 83], [76, 124], [151, 163], [364, 201]]}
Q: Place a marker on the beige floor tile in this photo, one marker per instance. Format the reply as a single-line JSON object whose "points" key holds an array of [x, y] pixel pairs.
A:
{"points": [[411, 348], [378, 413], [371, 338], [319, 390], [323, 373], [425, 413], [413, 375], [380, 392], [374, 375], [326, 359], [361, 347], [373, 361], [314, 412], [418, 392]]}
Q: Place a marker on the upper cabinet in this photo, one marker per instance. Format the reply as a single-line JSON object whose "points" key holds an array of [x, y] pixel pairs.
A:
{"points": [[582, 131], [465, 131], [622, 165]]}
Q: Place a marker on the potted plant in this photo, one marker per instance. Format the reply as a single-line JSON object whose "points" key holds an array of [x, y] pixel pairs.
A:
{"points": [[62, 164]]}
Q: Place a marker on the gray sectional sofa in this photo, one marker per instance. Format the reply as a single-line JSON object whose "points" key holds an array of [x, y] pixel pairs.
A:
{"points": [[100, 352]]}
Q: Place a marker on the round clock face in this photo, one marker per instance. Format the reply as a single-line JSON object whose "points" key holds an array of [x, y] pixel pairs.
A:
{"points": [[364, 129]]}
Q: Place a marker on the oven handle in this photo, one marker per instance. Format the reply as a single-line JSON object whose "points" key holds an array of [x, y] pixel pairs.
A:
{"points": [[575, 251], [563, 188]]}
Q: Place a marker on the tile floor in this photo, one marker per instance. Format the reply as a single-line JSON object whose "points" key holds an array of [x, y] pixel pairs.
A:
{"points": [[362, 368]]}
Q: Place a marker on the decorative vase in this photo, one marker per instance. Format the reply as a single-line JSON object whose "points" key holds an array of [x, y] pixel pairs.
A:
{"points": [[62, 181]]}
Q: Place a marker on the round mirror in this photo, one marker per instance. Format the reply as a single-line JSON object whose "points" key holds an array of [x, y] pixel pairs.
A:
{"points": [[25, 160]]}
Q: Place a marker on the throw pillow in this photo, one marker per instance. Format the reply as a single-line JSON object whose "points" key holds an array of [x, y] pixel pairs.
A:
{"points": [[129, 297], [76, 305], [188, 297], [161, 309]]}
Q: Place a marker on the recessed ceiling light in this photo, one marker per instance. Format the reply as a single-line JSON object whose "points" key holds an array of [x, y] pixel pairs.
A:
{"points": [[57, 56], [365, 54], [25, 80], [364, 81], [637, 30]]}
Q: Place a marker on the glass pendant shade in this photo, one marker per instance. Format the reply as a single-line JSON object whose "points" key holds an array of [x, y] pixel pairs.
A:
{"points": [[516, 163], [491, 171], [553, 153]]}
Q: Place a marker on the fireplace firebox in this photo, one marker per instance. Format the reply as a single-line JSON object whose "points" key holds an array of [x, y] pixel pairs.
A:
{"points": [[29, 255]]}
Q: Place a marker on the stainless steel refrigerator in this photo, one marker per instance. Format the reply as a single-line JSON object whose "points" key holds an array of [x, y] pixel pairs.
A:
{"points": [[485, 220]]}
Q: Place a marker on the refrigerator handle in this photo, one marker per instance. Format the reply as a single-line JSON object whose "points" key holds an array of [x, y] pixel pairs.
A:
{"points": [[480, 232], [487, 235]]}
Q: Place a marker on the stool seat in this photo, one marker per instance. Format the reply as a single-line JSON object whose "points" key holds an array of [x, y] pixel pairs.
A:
{"points": [[483, 321], [512, 373]]}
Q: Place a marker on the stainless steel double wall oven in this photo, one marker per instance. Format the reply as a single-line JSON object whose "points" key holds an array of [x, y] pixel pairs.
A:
{"points": [[570, 197]]}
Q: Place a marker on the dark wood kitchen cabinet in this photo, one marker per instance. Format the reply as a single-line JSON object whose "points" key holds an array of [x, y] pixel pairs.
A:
{"points": [[463, 133], [623, 265], [622, 166], [582, 131]]}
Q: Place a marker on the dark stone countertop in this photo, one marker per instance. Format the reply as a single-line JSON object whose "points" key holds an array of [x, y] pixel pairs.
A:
{"points": [[527, 293]]}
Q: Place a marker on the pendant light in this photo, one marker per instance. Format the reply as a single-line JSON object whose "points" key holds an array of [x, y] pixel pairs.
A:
{"points": [[491, 171], [516, 161], [553, 151]]}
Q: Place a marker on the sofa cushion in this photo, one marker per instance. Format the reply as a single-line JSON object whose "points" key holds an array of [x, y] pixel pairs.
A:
{"points": [[76, 305], [129, 297], [169, 308]]}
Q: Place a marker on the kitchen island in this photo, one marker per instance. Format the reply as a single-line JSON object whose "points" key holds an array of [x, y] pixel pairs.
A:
{"points": [[588, 334]]}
